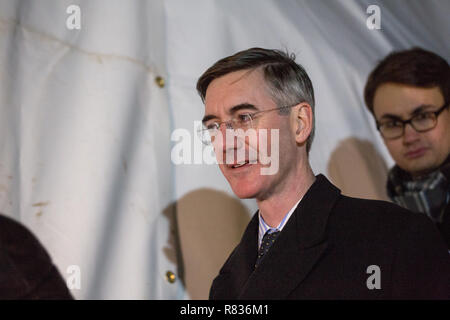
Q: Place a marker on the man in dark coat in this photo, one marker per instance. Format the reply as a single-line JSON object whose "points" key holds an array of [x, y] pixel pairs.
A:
{"points": [[306, 241], [26, 270]]}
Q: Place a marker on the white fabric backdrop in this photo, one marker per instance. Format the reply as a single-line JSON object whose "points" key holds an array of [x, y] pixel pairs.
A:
{"points": [[85, 130], [85, 158]]}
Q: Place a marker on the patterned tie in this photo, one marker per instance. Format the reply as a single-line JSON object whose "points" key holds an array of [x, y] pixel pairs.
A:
{"points": [[266, 243]]}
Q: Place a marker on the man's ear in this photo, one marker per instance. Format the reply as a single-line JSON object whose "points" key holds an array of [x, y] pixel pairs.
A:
{"points": [[303, 122]]}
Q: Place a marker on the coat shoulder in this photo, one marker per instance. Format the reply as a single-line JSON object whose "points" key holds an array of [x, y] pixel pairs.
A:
{"points": [[27, 269], [376, 214], [14, 236], [382, 227]]}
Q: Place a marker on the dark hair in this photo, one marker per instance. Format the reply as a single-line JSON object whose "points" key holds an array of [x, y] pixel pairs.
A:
{"points": [[287, 82], [414, 67]]}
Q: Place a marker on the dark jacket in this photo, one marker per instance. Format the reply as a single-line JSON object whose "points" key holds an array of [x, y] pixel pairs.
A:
{"points": [[26, 271], [327, 247], [444, 227]]}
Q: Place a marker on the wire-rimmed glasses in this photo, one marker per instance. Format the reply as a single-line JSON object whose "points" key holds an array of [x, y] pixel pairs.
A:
{"points": [[241, 120]]}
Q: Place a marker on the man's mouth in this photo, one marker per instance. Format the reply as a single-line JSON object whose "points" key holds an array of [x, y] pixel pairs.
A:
{"points": [[415, 153], [242, 164], [234, 166]]}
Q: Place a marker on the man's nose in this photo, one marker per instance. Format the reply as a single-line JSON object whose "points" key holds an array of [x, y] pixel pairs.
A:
{"points": [[410, 135], [229, 138], [231, 142], [224, 138], [224, 145]]}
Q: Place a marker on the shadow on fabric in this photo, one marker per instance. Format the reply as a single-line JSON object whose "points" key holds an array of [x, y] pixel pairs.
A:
{"points": [[205, 226], [358, 169]]}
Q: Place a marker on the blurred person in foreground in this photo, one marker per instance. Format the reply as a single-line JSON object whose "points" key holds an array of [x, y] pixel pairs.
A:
{"points": [[26, 270]]}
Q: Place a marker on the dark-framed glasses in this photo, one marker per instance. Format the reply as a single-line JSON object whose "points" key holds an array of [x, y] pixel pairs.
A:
{"points": [[421, 122], [241, 120]]}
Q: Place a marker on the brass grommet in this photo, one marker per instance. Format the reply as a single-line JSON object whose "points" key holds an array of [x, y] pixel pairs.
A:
{"points": [[160, 81], [170, 277]]}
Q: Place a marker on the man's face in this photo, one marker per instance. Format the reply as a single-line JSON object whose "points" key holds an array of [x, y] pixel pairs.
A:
{"points": [[415, 152], [245, 92]]}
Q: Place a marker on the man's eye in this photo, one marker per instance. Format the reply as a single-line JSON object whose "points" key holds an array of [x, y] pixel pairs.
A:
{"points": [[392, 124], [423, 116], [212, 126], [245, 117]]}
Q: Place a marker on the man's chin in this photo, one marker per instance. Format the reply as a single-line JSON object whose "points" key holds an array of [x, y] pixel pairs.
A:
{"points": [[419, 168], [244, 192]]}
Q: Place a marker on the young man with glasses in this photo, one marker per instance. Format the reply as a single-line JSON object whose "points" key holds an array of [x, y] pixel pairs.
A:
{"points": [[408, 93], [307, 241]]}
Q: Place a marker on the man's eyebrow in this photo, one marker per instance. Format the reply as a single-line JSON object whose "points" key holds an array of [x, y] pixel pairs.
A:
{"points": [[421, 108], [208, 117], [233, 110], [390, 116], [243, 106]]}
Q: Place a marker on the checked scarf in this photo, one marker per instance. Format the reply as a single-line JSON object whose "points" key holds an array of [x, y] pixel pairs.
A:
{"points": [[429, 195]]}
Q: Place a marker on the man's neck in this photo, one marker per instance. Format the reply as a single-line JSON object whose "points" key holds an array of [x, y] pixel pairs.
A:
{"points": [[274, 208], [409, 176]]}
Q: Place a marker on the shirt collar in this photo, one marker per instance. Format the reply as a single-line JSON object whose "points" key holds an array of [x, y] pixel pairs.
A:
{"points": [[263, 226]]}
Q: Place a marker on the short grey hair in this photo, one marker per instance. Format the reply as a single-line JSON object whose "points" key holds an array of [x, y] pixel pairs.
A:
{"points": [[287, 82]]}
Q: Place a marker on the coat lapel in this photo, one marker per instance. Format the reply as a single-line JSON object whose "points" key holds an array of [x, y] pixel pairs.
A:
{"points": [[297, 249]]}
